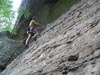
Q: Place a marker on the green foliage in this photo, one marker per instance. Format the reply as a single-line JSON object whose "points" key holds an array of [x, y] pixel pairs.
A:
{"points": [[6, 15], [5, 8]]}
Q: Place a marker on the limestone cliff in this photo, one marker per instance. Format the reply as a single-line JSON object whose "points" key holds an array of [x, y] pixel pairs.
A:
{"points": [[68, 46], [9, 49], [11, 45]]}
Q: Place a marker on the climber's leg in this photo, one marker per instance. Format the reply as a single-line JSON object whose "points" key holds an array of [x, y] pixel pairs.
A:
{"points": [[36, 34], [30, 34], [28, 39]]}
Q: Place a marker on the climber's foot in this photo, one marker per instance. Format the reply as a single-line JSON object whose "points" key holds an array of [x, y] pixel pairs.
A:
{"points": [[26, 46]]}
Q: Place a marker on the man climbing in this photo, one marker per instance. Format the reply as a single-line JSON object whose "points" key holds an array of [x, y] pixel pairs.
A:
{"points": [[32, 31]]}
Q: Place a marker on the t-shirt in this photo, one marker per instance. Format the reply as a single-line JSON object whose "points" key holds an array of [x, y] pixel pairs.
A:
{"points": [[33, 23]]}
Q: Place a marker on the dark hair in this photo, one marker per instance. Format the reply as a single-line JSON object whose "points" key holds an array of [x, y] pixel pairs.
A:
{"points": [[33, 17]]}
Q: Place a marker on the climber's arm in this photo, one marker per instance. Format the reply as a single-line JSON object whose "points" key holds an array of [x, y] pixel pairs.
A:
{"points": [[38, 24]]}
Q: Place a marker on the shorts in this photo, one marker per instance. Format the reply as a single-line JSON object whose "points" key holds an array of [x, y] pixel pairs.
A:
{"points": [[32, 30]]}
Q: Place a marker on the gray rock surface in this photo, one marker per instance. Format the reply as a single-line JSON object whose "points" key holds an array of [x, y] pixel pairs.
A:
{"points": [[75, 33], [9, 49]]}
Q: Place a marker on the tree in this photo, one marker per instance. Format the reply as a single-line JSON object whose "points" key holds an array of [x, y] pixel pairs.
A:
{"points": [[6, 15]]}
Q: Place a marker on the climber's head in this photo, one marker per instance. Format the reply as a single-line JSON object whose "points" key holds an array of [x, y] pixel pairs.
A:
{"points": [[33, 18]]}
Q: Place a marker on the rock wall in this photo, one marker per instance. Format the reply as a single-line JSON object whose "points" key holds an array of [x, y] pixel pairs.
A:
{"points": [[9, 49], [68, 46]]}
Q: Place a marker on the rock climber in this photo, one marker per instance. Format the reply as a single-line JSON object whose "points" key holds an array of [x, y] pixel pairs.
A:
{"points": [[32, 30]]}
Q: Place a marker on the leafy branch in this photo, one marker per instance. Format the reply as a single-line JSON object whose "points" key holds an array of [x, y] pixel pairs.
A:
{"points": [[6, 15]]}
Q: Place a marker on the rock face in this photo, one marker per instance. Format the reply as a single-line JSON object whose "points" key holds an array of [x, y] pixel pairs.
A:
{"points": [[9, 49], [68, 46]]}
